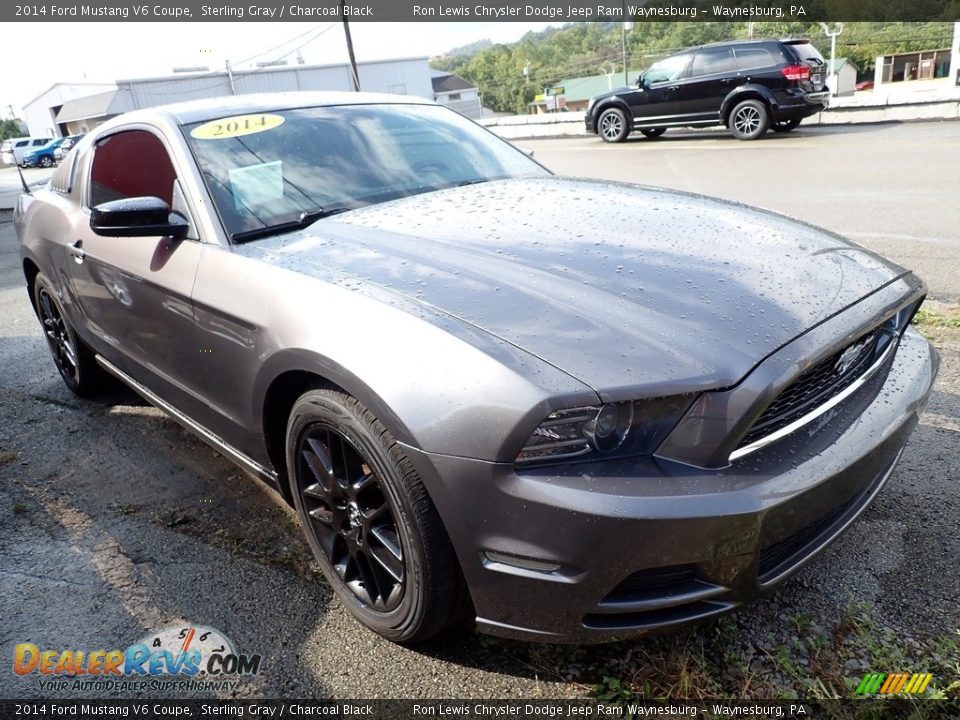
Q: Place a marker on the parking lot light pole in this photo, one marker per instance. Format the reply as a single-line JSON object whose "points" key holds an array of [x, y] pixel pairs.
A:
{"points": [[837, 29]]}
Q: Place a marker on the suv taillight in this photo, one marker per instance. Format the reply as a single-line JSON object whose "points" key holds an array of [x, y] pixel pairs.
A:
{"points": [[796, 72]]}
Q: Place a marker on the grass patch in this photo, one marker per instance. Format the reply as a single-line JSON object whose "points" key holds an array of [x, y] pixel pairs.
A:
{"points": [[7, 457], [931, 318], [19, 508], [175, 518], [794, 657]]}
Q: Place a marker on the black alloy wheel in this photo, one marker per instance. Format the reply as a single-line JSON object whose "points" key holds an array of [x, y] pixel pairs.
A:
{"points": [[74, 360], [371, 525], [351, 517], [59, 337]]}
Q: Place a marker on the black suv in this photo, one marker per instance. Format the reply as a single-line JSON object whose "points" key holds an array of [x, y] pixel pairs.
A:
{"points": [[749, 86]]}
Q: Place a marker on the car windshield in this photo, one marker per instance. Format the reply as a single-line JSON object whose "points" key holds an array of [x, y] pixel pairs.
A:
{"points": [[274, 171]]}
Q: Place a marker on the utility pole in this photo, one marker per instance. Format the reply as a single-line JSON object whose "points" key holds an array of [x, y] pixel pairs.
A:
{"points": [[233, 88], [624, 26], [837, 29], [353, 60]]}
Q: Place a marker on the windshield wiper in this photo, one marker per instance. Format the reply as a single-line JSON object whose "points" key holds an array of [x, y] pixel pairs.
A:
{"points": [[307, 218]]}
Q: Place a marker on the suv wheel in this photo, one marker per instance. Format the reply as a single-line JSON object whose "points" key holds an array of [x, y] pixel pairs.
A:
{"points": [[785, 125], [654, 132], [749, 120], [46, 161], [612, 125], [371, 525]]}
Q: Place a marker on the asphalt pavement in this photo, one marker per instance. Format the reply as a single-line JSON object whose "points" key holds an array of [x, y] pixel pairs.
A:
{"points": [[116, 522]]}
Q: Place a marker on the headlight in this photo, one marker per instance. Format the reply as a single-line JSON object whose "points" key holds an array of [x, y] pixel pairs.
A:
{"points": [[599, 432]]}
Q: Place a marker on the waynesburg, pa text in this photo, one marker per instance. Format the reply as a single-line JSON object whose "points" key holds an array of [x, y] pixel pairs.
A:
{"points": [[605, 12]]}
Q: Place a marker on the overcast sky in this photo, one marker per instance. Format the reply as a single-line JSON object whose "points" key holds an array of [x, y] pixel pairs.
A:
{"points": [[36, 55]]}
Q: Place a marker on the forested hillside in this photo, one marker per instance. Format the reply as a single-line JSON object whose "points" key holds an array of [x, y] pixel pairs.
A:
{"points": [[581, 49]]}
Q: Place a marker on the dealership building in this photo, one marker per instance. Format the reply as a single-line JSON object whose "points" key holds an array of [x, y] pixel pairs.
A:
{"points": [[72, 108]]}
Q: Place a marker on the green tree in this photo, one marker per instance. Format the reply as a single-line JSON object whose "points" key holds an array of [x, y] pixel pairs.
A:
{"points": [[9, 129]]}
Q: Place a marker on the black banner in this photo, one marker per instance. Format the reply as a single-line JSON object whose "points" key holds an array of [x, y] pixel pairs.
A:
{"points": [[485, 10], [493, 709]]}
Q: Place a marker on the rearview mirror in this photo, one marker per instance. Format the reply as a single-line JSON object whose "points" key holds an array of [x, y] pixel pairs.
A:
{"points": [[137, 217]]}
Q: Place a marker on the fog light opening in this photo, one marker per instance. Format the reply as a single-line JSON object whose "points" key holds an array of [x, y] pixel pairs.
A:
{"points": [[491, 556]]}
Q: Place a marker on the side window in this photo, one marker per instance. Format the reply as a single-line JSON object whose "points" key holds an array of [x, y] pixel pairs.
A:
{"points": [[756, 57], [711, 62], [667, 70], [38, 143], [23, 143], [132, 163]]}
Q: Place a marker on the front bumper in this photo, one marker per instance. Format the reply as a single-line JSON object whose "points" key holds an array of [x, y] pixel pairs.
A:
{"points": [[609, 550]]}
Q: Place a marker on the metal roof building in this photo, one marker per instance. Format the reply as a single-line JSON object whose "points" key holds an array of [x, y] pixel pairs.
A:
{"points": [[84, 110]]}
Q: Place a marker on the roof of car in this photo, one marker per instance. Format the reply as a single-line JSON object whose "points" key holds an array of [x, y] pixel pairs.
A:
{"points": [[750, 41], [212, 108]]}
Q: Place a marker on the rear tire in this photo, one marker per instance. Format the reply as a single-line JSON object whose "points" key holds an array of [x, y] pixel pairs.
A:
{"points": [[785, 126], [74, 360], [749, 120], [612, 125], [371, 525], [654, 132]]}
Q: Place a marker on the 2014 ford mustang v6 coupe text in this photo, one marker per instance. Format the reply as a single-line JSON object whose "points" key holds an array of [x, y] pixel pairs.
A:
{"points": [[573, 410]]}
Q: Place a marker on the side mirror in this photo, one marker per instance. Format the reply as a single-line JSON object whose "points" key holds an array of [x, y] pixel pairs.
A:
{"points": [[137, 217]]}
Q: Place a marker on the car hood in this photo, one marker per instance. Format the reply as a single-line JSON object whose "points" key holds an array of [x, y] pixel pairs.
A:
{"points": [[620, 286], [613, 92]]}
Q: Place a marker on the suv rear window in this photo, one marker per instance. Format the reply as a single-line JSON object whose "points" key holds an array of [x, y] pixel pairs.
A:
{"points": [[806, 51], [757, 56]]}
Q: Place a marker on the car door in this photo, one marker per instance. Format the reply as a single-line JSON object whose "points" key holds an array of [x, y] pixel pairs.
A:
{"points": [[656, 100], [713, 74], [134, 292]]}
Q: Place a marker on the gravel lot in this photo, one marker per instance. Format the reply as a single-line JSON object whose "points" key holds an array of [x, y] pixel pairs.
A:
{"points": [[117, 522]]}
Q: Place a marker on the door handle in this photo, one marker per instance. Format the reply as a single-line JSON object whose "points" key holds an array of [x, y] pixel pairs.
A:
{"points": [[673, 88], [76, 249]]}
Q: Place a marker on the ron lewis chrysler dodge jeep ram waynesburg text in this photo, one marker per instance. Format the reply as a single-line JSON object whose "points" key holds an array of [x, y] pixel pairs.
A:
{"points": [[485, 394]]}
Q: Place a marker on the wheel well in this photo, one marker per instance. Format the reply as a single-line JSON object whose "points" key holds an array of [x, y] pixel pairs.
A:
{"points": [[607, 106], [30, 271], [277, 404], [739, 99]]}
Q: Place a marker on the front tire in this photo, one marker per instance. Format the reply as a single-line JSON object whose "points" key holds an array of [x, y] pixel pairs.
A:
{"points": [[612, 125], [74, 360], [46, 162], [371, 525], [749, 120]]}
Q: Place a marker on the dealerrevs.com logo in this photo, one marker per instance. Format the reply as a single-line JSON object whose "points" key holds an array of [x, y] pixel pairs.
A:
{"points": [[176, 658]]}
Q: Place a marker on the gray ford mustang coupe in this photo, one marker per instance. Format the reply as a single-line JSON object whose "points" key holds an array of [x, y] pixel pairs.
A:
{"points": [[573, 410]]}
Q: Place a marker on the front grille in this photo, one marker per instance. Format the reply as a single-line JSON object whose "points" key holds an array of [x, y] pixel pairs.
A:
{"points": [[824, 381], [780, 556]]}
